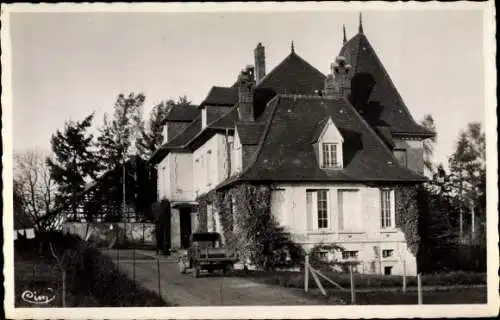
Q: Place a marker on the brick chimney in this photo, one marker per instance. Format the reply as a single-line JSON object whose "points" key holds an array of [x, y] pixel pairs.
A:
{"points": [[338, 82], [260, 62], [246, 85]]}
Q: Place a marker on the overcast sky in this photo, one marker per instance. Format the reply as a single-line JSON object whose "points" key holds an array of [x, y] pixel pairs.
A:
{"points": [[67, 65]]}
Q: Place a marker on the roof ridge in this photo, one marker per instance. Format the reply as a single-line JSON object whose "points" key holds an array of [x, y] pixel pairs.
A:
{"points": [[308, 96]]}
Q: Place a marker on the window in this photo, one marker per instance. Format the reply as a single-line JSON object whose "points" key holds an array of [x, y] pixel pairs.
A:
{"points": [[322, 209], [330, 155], [387, 253], [317, 204], [350, 213], [349, 255], [387, 271], [387, 208], [400, 155]]}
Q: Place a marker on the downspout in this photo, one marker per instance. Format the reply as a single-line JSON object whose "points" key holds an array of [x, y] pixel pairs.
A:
{"points": [[228, 155]]}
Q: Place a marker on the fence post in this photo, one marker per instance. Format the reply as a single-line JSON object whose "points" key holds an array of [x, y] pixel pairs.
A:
{"points": [[306, 273], [158, 276], [64, 288], [404, 276], [419, 288], [353, 293]]}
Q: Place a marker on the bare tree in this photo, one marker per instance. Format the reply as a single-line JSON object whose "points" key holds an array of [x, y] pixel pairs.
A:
{"points": [[34, 184]]}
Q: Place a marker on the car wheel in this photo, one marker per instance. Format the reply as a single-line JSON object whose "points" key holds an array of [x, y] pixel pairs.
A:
{"points": [[196, 271]]}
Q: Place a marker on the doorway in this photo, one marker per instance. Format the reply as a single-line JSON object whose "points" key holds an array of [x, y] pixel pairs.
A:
{"points": [[185, 226]]}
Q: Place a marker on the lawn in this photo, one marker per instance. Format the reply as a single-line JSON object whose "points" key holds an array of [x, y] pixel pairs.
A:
{"points": [[446, 288]]}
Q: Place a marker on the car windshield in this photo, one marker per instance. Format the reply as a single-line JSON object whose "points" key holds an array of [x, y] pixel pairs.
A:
{"points": [[206, 244]]}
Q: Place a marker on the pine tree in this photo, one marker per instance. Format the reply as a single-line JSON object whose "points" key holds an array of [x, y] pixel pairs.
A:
{"points": [[74, 163], [115, 140], [151, 137]]}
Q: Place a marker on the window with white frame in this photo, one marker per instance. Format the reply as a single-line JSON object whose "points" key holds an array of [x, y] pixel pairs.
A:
{"points": [[329, 153], [317, 203], [387, 208]]}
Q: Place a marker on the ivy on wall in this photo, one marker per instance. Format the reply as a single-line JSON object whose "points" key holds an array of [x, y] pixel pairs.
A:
{"points": [[407, 215], [250, 228]]}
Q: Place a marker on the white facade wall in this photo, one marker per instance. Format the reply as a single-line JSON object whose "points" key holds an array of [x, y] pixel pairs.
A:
{"points": [[210, 164], [175, 177], [289, 205]]}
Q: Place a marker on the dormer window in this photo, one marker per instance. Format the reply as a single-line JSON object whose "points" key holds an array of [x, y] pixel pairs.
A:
{"points": [[329, 146], [330, 155]]}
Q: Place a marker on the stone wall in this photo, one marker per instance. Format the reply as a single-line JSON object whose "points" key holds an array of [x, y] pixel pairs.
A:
{"points": [[141, 233]]}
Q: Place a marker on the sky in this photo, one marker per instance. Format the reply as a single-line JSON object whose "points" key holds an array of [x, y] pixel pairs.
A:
{"points": [[68, 65]]}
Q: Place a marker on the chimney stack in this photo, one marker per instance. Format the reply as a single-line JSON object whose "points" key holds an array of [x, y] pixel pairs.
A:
{"points": [[338, 82], [260, 62], [246, 85]]}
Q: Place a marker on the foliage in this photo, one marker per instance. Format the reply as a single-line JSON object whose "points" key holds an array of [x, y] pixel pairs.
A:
{"points": [[105, 197], [468, 166], [151, 137], [251, 229], [428, 123], [325, 257], [116, 136], [34, 188], [407, 214], [74, 163]]}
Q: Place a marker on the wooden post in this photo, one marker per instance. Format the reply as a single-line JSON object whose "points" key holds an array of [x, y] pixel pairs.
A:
{"points": [[158, 276], [63, 288], [318, 282], [353, 293], [306, 273], [419, 288], [404, 276], [472, 219]]}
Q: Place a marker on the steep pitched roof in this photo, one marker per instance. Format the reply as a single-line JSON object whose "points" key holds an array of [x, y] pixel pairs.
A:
{"points": [[286, 150], [178, 141], [293, 75], [221, 96], [182, 113], [386, 107], [250, 133]]}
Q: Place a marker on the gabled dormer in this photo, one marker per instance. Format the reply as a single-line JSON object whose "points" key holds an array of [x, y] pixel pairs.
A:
{"points": [[328, 144]]}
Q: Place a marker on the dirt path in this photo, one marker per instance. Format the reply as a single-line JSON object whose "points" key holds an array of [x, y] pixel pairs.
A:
{"points": [[209, 289]]}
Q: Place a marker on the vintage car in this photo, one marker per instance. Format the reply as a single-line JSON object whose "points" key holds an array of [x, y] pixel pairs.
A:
{"points": [[206, 253]]}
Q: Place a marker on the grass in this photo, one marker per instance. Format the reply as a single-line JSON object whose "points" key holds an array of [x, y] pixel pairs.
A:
{"points": [[92, 279], [446, 288]]}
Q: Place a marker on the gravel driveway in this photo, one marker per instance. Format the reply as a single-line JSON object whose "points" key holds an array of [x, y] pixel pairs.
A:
{"points": [[209, 289]]}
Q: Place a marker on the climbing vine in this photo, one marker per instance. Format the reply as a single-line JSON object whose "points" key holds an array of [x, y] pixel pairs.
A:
{"points": [[251, 229], [407, 215]]}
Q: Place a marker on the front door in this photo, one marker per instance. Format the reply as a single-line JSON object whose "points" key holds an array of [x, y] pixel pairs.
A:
{"points": [[185, 221]]}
